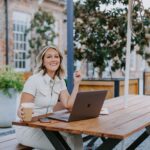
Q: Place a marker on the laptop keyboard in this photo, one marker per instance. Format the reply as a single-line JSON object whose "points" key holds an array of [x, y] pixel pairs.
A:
{"points": [[65, 115]]}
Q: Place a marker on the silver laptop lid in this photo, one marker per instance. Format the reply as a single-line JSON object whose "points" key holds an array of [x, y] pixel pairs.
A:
{"points": [[87, 105]]}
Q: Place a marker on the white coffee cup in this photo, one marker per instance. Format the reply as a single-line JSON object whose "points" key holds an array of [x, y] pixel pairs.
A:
{"points": [[27, 109]]}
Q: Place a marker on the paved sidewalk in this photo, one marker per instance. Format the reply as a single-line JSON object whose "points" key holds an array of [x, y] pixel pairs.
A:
{"points": [[144, 146], [6, 131]]}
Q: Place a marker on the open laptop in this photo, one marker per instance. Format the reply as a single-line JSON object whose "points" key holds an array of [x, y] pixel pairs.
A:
{"points": [[87, 105]]}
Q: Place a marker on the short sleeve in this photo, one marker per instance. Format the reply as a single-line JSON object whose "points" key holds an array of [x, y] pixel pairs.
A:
{"points": [[30, 86], [63, 85]]}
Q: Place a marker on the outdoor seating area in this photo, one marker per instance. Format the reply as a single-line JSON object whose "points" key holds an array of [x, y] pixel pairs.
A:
{"points": [[9, 142], [113, 129], [75, 75], [131, 132]]}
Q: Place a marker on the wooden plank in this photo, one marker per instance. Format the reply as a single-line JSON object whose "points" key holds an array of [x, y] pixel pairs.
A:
{"points": [[101, 126], [109, 85], [131, 99], [110, 123], [107, 123], [118, 103], [26, 75], [134, 111], [147, 83], [125, 130], [133, 86], [104, 83], [98, 126], [98, 85]]}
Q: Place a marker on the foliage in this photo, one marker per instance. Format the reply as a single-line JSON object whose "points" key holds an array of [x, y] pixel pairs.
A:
{"points": [[100, 34], [9, 79], [41, 32]]}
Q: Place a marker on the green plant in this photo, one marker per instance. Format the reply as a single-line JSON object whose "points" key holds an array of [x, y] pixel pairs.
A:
{"points": [[100, 33], [41, 33], [9, 79]]}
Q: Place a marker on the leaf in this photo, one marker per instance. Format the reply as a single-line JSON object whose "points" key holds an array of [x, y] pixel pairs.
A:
{"points": [[100, 35]]}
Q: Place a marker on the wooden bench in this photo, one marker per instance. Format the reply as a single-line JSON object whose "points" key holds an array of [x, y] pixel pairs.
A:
{"points": [[9, 142]]}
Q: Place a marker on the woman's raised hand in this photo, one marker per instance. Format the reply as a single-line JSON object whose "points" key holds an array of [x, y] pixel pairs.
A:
{"points": [[77, 77]]}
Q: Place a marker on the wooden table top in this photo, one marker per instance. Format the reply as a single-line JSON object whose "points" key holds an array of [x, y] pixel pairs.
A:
{"points": [[120, 123]]}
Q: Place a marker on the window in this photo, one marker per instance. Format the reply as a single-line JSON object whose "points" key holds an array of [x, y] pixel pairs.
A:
{"points": [[20, 24]]}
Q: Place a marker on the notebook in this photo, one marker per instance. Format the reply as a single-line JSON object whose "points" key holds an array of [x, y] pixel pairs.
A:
{"points": [[87, 105]]}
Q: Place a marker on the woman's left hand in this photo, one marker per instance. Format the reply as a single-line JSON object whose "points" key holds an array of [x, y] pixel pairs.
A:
{"points": [[77, 77]]}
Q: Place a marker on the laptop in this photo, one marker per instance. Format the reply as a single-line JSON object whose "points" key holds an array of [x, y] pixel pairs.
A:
{"points": [[87, 105]]}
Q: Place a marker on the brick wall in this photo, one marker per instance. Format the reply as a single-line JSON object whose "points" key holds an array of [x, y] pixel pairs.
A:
{"points": [[30, 7]]}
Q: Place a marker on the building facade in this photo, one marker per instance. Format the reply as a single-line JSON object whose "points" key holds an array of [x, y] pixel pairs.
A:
{"points": [[15, 17], [19, 15]]}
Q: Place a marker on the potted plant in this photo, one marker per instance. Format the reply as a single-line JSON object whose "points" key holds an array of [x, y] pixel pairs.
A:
{"points": [[11, 83]]}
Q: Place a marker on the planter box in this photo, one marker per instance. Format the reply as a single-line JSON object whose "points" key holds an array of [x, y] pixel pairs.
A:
{"points": [[8, 109], [146, 86], [26, 75], [115, 87]]}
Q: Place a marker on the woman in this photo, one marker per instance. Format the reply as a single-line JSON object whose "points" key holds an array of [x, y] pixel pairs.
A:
{"points": [[44, 88]]}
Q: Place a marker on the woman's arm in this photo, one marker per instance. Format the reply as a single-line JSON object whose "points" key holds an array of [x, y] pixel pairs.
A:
{"points": [[28, 93], [68, 100], [25, 97]]}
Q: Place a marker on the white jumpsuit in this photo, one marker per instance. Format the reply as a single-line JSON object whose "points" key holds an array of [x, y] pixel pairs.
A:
{"points": [[46, 92]]}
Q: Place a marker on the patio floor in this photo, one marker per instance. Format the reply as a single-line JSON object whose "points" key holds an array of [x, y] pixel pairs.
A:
{"points": [[144, 146]]}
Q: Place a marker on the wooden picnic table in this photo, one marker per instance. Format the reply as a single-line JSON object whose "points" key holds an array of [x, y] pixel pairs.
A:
{"points": [[115, 127]]}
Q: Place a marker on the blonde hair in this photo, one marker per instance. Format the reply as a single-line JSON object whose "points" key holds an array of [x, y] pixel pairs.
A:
{"points": [[40, 67]]}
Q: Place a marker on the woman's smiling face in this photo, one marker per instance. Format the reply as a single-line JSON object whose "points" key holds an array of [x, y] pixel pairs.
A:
{"points": [[51, 61]]}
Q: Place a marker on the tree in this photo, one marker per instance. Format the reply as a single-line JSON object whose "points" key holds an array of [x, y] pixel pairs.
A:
{"points": [[100, 34], [41, 32]]}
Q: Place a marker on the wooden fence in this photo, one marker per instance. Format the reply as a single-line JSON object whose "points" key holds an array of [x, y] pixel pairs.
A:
{"points": [[115, 87], [146, 87]]}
